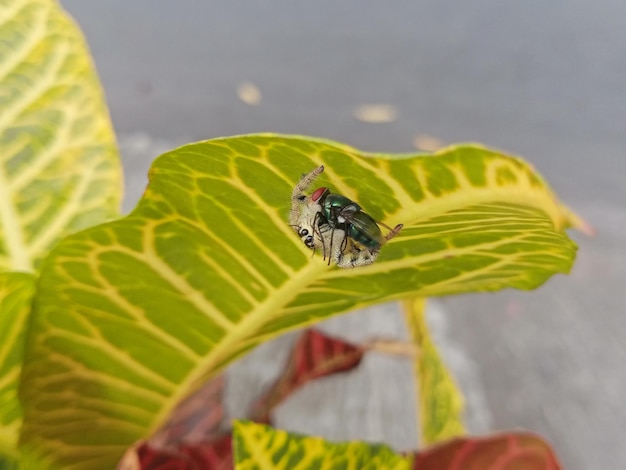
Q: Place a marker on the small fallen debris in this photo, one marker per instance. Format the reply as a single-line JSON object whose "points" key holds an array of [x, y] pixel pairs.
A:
{"points": [[392, 347], [427, 143], [249, 93], [376, 113]]}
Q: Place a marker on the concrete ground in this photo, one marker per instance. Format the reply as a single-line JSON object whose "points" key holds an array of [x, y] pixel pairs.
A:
{"points": [[545, 80]]}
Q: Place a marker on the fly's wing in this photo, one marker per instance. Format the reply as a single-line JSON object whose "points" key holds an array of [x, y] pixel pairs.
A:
{"points": [[367, 230]]}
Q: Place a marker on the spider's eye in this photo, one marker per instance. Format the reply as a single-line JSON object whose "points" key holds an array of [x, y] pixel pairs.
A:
{"points": [[308, 241], [304, 232], [302, 197]]}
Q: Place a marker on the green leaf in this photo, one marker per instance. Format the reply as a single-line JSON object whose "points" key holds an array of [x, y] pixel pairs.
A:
{"points": [[131, 316], [260, 447], [440, 401], [16, 293], [59, 170]]}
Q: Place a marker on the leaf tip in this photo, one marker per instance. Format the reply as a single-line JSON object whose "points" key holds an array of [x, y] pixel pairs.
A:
{"points": [[575, 221]]}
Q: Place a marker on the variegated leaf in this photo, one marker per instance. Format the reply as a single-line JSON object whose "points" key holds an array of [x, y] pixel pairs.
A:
{"points": [[440, 401], [59, 170], [133, 315], [260, 447]]}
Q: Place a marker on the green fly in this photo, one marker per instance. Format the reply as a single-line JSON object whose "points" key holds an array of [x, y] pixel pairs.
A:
{"points": [[337, 225]]}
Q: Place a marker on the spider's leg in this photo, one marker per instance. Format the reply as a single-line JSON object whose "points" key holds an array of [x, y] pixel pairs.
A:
{"points": [[317, 230], [332, 236], [394, 231], [344, 242], [297, 195], [306, 181]]}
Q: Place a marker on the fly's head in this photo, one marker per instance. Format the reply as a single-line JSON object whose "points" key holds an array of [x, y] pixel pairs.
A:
{"points": [[318, 196]]}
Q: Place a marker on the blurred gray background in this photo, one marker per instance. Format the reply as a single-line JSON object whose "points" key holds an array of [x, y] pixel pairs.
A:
{"points": [[545, 79]]}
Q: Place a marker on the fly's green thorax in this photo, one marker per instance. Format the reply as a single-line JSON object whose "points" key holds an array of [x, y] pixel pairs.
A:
{"points": [[343, 212]]}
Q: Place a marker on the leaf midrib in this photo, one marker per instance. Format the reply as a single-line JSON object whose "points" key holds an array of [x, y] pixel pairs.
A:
{"points": [[250, 323]]}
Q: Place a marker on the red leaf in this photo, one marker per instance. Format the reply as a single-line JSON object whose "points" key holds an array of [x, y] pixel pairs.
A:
{"points": [[510, 451], [154, 459], [197, 418], [314, 356], [192, 438], [215, 455]]}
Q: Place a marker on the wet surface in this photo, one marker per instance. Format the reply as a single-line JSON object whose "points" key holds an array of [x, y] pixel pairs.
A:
{"points": [[540, 79]]}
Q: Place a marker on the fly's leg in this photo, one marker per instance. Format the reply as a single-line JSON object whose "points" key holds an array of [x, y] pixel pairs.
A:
{"points": [[332, 239], [323, 232], [339, 238], [393, 231], [335, 241]]}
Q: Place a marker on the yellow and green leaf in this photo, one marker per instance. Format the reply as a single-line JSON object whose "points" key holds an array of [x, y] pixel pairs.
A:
{"points": [[132, 315], [59, 170], [260, 447], [440, 402]]}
